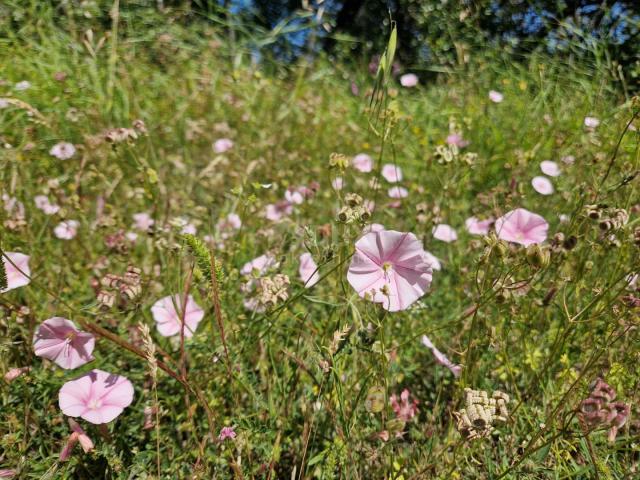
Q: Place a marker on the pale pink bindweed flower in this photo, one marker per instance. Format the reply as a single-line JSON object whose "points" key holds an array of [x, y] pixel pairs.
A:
{"points": [[398, 192], [392, 173], [259, 265], [78, 435], [390, 268], [59, 340], [4, 103], [276, 211], [22, 86], [542, 185], [444, 233], [550, 168], [8, 473], [66, 230], [228, 225], [591, 122], [374, 227], [409, 80], [337, 183], [42, 203], [432, 260], [441, 358], [63, 150], [227, 432], [478, 227], [403, 408], [362, 162], [293, 196], [142, 221], [457, 140], [97, 397], [308, 270], [18, 275], [495, 97], [169, 315], [222, 145], [522, 226]]}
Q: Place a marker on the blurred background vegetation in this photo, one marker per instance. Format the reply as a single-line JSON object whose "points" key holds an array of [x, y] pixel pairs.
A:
{"points": [[435, 36]]}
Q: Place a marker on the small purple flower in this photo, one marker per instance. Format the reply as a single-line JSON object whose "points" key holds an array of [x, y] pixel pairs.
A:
{"points": [[227, 432]]}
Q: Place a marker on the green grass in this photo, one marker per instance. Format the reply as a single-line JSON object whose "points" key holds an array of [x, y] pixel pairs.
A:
{"points": [[290, 413]]}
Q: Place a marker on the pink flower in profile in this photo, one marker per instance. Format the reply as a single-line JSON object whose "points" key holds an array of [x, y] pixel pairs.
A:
{"points": [[390, 268], [66, 230], [403, 408], [60, 341], [432, 260], [97, 397], [227, 432], [392, 173], [550, 168], [441, 358], [337, 183], [542, 185], [409, 80], [591, 122], [362, 162], [398, 192], [18, 275], [42, 203], [169, 314], [478, 227], [276, 211], [8, 473], [444, 233], [222, 145], [77, 435], [495, 97], [143, 221], [15, 372], [457, 140], [259, 265], [308, 270], [63, 150], [522, 226]]}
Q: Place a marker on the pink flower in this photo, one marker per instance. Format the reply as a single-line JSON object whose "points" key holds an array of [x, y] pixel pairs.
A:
{"points": [[391, 268], [362, 162], [392, 173], [77, 435], [409, 80], [66, 230], [14, 373], [337, 183], [591, 122], [60, 341], [522, 226], [432, 260], [18, 275], [568, 159], [63, 150], [457, 140], [222, 145], [495, 97], [404, 409], [478, 227], [168, 314], [550, 168], [275, 211], [398, 192], [293, 196], [308, 270], [444, 233], [259, 265], [227, 226], [143, 221], [42, 203], [97, 397], [227, 432], [374, 227], [542, 185], [441, 358], [8, 473]]}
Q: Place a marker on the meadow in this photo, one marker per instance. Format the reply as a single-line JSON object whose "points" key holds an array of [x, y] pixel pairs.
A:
{"points": [[220, 268]]}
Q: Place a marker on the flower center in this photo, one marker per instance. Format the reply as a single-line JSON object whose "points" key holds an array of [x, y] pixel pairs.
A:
{"points": [[70, 336], [386, 266], [94, 404]]}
